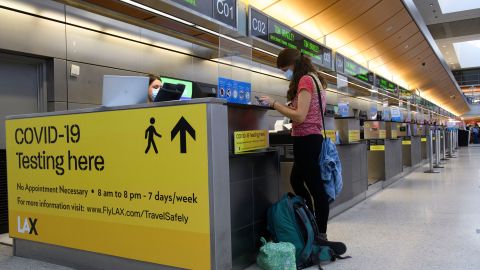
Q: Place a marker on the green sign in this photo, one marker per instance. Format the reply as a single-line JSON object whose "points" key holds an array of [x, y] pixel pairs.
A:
{"points": [[355, 70], [282, 35], [272, 31], [386, 85]]}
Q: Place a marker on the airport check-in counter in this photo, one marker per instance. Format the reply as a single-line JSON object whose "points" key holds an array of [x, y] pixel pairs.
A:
{"points": [[186, 201], [353, 157], [411, 145], [422, 132], [384, 151]]}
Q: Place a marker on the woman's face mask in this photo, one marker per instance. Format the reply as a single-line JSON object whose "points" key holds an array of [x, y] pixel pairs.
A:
{"points": [[155, 92], [289, 74]]}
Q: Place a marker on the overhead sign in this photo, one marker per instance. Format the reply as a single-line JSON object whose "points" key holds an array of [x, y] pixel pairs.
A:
{"points": [[405, 94], [136, 179], [385, 85], [224, 11], [274, 32], [250, 140], [352, 69]]}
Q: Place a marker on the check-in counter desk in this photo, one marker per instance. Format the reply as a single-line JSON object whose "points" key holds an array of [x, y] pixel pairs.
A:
{"points": [[352, 155], [163, 189], [422, 132], [384, 150], [411, 145], [254, 185]]}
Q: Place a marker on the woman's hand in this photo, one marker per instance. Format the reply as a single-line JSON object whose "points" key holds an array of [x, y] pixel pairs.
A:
{"points": [[267, 100]]}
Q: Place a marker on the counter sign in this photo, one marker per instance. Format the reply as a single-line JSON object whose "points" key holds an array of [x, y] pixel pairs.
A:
{"points": [[134, 178]]}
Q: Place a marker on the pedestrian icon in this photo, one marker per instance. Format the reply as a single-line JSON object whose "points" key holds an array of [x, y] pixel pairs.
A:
{"points": [[149, 135]]}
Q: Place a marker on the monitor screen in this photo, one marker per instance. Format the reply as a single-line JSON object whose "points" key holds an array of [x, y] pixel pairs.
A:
{"points": [[187, 93]]}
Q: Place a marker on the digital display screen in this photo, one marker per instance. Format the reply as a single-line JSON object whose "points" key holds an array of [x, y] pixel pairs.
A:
{"points": [[282, 35], [385, 84], [355, 70], [268, 29], [187, 93], [404, 93]]}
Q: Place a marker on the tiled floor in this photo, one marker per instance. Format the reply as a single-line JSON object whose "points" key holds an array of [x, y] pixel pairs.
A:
{"points": [[426, 221], [5, 239]]}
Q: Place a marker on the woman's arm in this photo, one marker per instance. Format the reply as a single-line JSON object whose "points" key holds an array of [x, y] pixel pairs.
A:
{"points": [[297, 115]]}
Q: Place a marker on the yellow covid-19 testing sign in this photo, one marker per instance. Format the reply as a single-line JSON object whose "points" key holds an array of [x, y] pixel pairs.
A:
{"points": [[127, 183]]}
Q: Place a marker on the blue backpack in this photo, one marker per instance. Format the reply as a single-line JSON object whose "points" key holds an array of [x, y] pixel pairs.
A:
{"points": [[290, 220]]}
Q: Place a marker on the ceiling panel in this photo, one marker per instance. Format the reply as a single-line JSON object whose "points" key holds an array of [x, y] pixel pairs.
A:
{"points": [[379, 34], [329, 19], [382, 32], [304, 10], [374, 17], [417, 54], [392, 42]]}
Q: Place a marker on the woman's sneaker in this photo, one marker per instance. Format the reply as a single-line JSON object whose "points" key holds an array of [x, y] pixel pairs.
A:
{"points": [[339, 247]]}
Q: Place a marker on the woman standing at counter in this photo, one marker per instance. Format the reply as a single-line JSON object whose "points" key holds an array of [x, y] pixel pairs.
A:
{"points": [[306, 131]]}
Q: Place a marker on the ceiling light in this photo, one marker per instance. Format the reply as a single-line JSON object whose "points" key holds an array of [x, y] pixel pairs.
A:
{"points": [[263, 51], [156, 11], [465, 50], [444, 46], [449, 6]]}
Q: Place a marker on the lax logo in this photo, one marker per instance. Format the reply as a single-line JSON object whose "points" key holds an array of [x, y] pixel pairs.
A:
{"points": [[28, 226]]}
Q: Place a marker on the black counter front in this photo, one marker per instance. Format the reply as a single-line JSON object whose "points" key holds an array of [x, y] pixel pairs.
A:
{"points": [[354, 170]]}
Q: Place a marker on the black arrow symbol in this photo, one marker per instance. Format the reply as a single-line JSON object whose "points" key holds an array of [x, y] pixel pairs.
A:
{"points": [[183, 127]]}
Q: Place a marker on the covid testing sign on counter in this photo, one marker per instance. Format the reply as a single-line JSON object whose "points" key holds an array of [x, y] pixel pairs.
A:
{"points": [[127, 183]]}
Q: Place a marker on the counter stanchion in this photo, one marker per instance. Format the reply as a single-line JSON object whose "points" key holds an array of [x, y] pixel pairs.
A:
{"points": [[444, 148], [456, 138], [430, 152], [450, 145], [437, 150]]}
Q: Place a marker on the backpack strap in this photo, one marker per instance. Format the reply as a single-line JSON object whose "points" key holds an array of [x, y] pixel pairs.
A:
{"points": [[320, 103], [307, 250]]}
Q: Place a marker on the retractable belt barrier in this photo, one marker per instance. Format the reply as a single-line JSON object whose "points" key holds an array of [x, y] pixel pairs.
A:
{"points": [[437, 149], [430, 152]]}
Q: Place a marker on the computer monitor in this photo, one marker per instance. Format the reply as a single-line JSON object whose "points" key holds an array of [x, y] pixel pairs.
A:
{"points": [[203, 90], [170, 91], [124, 90], [187, 93]]}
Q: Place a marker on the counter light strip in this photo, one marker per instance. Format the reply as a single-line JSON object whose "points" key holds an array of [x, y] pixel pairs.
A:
{"points": [[166, 15], [158, 12]]}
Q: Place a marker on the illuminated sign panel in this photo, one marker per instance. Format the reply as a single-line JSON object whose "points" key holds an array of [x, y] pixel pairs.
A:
{"points": [[274, 32]]}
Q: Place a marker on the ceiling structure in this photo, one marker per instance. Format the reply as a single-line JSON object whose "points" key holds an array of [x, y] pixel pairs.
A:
{"points": [[451, 29], [386, 36], [457, 34]]}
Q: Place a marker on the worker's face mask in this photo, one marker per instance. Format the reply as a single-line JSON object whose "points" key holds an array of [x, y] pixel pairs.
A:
{"points": [[289, 74], [155, 92]]}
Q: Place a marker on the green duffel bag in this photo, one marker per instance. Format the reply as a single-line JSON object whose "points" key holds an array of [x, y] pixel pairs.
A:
{"points": [[276, 256]]}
